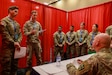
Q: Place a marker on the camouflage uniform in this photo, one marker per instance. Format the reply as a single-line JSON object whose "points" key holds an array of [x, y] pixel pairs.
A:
{"points": [[109, 30], [81, 38], [90, 40], [59, 38], [10, 33], [33, 41], [70, 38], [92, 66]]}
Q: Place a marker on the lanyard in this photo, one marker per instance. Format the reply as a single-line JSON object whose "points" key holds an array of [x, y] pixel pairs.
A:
{"points": [[69, 37], [80, 39], [13, 24], [34, 26], [60, 37], [15, 29], [93, 35]]}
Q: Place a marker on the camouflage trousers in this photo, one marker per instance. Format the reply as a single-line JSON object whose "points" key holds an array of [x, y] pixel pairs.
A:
{"points": [[70, 51], [33, 48], [58, 50], [81, 50], [8, 63]]}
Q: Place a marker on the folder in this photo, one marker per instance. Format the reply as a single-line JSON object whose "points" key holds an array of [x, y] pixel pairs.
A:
{"points": [[21, 53]]}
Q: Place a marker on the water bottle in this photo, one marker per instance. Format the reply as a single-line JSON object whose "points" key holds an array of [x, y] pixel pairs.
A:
{"points": [[58, 60]]}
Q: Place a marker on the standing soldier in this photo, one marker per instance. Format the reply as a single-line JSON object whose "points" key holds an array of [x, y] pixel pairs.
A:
{"points": [[109, 31], [91, 37], [11, 38], [32, 29], [81, 45], [59, 40], [70, 40]]}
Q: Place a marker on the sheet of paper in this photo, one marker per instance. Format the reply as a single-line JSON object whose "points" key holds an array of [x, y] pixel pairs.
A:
{"points": [[51, 69], [74, 61], [21, 53]]}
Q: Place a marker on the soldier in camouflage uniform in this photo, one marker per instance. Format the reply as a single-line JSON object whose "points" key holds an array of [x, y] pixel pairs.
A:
{"points": [[81, 45], [59, 41], [11, 38], [70, 40], [32, 29], [91, 37], [109, 30], [98, 64]]}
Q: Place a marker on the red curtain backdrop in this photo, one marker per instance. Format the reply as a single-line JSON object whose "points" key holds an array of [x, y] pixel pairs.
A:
{"points": [[53, 19], [50, 18], [100, 14]]}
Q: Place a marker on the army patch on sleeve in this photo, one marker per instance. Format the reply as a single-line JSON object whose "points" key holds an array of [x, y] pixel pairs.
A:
{"points": [[81, 67]]}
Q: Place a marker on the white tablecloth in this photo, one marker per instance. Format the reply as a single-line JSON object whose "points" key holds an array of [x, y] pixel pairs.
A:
{"points": [[52, 69]]}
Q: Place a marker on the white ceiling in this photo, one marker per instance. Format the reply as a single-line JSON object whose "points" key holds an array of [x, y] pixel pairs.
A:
{"points": [[44, 1], [69, 5]]}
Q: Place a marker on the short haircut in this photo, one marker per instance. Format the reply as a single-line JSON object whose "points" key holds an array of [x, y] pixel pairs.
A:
{"points": [[96, 25], [60, 26], [72, 26], [33, 11], [83, 23], [12, 8]]}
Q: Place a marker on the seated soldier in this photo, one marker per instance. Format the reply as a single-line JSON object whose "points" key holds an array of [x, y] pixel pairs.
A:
{"points": [[98, 64]]}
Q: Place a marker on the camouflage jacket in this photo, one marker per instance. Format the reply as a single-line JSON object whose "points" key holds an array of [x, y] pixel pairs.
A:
{"points": [[10, 31], [59, 38], [28, 27], [91, 38], [70, 37], [81, 36], [109, 30], [98, 64]]}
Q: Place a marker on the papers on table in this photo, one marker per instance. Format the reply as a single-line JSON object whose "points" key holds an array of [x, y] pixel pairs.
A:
{"points": [[21, 53], [74, 61], [51, 69]]}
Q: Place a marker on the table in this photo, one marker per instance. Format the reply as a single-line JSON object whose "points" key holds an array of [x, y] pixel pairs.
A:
{"points": [[52, 69]]}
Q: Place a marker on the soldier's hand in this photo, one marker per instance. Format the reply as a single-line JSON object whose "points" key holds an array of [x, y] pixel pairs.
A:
{"points": [[17, 45], [80, 44], [60, 45], [1, 23], [111, 44], [91, 48], [18, 48], [69, 43], [79, 61], [33, 32], [42, 31]]}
